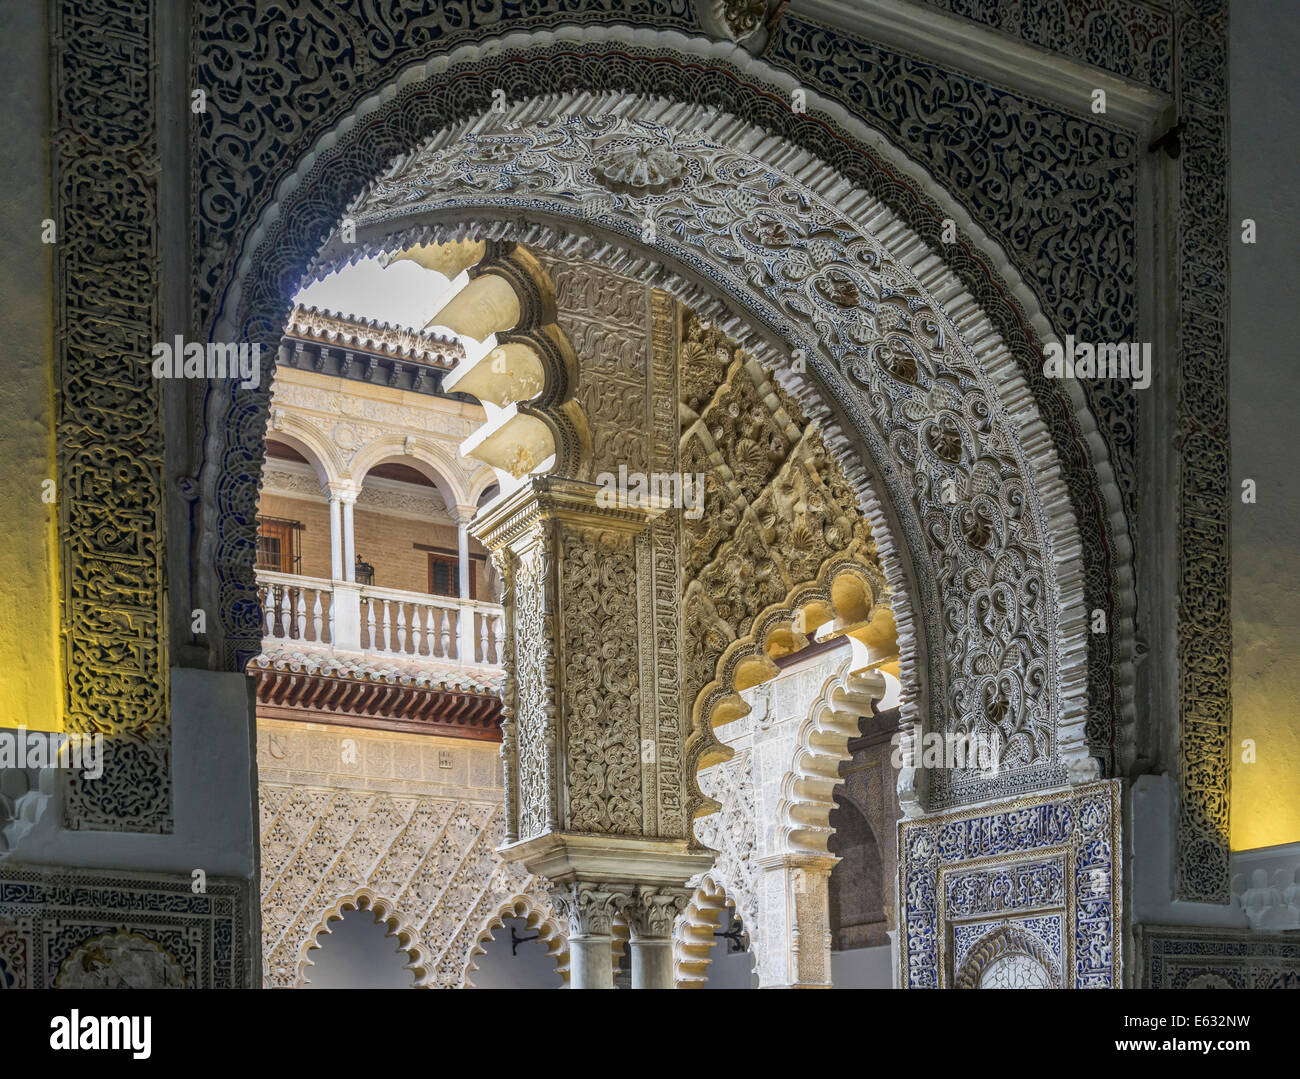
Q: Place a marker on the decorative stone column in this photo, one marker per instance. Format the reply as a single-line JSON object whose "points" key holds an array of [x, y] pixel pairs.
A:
{"points": [[590, 909], [465, 618], [650, 915], [592, 747], [345, 602], [336, 535], [348, 496], [796, 920]]}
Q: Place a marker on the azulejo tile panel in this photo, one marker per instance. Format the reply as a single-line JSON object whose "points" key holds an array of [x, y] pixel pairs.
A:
{"points": [[1033, 881], [104, 929]]}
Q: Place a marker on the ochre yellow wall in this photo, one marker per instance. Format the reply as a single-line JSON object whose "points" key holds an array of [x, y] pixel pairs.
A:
{"points": [[1265, 280], [1266, 794], [31, 678]]}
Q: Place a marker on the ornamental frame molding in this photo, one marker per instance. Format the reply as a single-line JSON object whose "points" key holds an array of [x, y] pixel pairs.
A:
{"points": [[1188, 957], [1193, 34], [1204, 637], [113, 627], [48, 912], [1065, 749], [1078, 831]]}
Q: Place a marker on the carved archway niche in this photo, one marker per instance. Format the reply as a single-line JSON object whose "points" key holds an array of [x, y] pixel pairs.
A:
{"points": [[695, 932], [914, 394], [385, 913], [542, 922]]}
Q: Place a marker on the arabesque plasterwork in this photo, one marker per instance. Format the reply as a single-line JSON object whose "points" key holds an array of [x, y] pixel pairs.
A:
{"points": [[140, 794], [409, 821]]}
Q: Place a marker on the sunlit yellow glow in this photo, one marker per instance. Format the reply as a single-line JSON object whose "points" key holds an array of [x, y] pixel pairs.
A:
{"points": [[1265, 794], [30, 681]]}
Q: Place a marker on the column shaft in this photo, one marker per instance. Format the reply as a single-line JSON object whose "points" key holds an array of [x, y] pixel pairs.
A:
{"points": [[589, 963], [336, 537], [652, 964], [349, 543]]}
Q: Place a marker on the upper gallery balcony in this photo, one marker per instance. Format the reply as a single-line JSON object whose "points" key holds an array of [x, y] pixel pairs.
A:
{"points": [[350, 616], [364, 559]]}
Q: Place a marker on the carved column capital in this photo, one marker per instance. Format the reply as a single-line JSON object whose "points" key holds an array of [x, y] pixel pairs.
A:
{"points": [[590, 907], [651, 912], [344, 491]]}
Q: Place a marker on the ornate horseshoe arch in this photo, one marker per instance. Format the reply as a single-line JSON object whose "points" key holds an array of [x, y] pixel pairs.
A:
{"points": [[923, 379]]}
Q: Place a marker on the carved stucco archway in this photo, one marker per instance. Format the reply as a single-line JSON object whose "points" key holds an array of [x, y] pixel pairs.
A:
{"points": [[922, 293], [540, 920], [694, 933], [385, 912], [777, 794]]}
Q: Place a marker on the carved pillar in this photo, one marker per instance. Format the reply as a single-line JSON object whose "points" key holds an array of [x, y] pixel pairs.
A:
{"points": [[796, 892], [348, 498], [345, 603], [592, 754], [336, 535], [650, 915]]}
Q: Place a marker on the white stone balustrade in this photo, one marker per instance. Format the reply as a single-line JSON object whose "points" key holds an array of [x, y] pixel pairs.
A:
{"points": [[380, 621]]}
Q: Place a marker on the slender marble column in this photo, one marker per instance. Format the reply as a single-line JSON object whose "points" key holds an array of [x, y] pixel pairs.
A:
{"points": [[650, 916], [465, 619], [349, 537], [336, 536], [590, 909]]}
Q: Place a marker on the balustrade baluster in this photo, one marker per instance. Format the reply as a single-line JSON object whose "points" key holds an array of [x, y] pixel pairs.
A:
{"points": [[483, 638], [401, 627], [286, 624], [317, 619], [302, 615], [417, 628], [268, 602]]}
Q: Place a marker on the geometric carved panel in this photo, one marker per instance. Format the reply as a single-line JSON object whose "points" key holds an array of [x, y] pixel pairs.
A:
{"points": [[410, 822], [113, 928], [1177, 957]]}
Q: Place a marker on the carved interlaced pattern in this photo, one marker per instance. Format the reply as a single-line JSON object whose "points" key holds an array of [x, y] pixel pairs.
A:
{"points": [[433, 858], [602, 733], [533, 666]]}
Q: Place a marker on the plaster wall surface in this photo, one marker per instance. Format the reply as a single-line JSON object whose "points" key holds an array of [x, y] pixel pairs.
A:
{"points": [[32, 678], [1264, 39], [863, 968]]}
